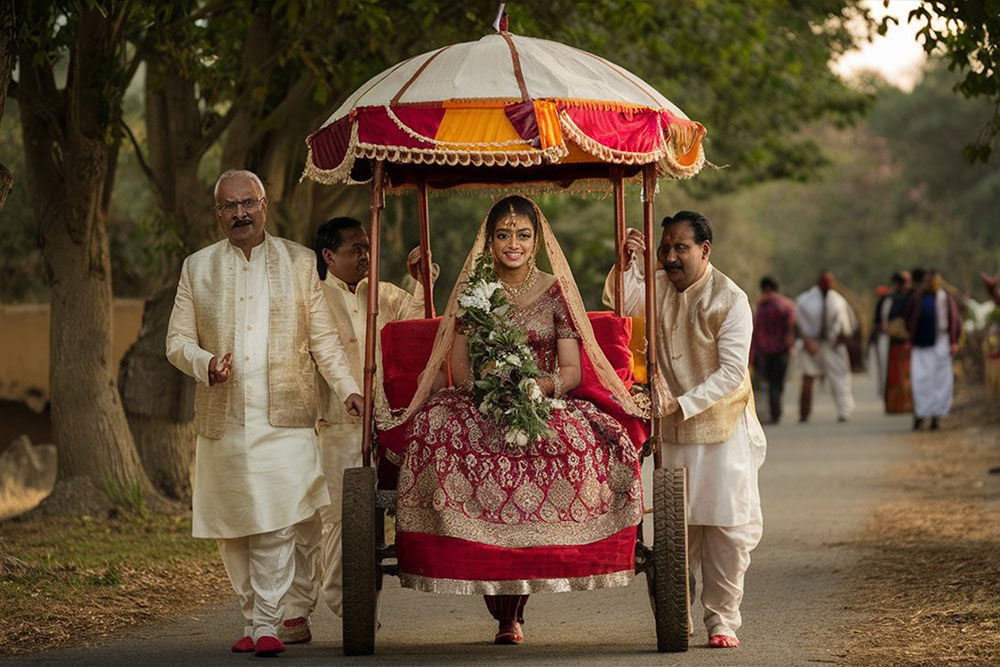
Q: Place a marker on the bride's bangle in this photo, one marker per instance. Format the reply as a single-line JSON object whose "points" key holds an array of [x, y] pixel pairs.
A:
{"points": [[557, 384]]}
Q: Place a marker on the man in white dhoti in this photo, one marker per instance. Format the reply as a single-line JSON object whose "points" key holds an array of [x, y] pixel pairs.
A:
{"points": [[341, 258], [250, 325], [825, 321], [934, 325], [704, 328]]}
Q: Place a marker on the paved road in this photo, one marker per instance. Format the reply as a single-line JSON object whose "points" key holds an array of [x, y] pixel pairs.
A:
{"points": [[819, 484]]}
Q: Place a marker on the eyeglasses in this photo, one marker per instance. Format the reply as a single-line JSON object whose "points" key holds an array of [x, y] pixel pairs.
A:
{"points": [[249, 205]]}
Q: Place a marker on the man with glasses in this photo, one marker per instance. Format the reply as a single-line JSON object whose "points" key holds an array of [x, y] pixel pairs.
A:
{"points": [[250, 325]]}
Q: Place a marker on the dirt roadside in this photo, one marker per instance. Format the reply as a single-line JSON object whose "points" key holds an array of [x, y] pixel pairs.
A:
{"points": [[931, 585]]}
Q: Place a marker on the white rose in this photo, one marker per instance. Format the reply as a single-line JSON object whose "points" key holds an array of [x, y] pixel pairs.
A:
{"points": [[534, 391], [521, 438], [513, 359]]}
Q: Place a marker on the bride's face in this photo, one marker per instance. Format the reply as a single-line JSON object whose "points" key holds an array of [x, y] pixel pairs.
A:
{"points": [[513, 242]]}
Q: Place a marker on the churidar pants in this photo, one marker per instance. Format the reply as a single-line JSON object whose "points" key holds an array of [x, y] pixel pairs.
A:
{"points": [[261, 568]]}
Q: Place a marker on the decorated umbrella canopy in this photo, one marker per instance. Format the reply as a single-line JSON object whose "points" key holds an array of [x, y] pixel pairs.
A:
{"points": [[504, 112], [505, 109]]}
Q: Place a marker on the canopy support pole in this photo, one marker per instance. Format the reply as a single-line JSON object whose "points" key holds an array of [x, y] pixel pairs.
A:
{"points": [[425, 248], [618, 179], [371, 330], [648, 201]]}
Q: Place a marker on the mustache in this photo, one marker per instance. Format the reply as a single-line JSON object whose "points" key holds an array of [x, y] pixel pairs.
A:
{"points": [[671, 266], [240, 222]]}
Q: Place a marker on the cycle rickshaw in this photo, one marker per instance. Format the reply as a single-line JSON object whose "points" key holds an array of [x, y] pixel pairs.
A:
{"points": [[505, 112]]}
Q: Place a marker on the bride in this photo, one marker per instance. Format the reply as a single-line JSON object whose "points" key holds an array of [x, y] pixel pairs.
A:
{"points": [[482, 513]]}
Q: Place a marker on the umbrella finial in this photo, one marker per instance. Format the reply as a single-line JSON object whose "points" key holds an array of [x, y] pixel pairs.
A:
{"points": [[500, 22]]}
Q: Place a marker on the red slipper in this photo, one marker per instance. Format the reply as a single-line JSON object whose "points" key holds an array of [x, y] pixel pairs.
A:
{"points": [[723, 641], [244, 645], [268, 645], [510, 633]]}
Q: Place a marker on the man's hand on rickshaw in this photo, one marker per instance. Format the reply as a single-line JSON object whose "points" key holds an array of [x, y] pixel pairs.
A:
{"points": [[413, 266], [635, 244], [218, 370], [355, 405], [670, 405]]}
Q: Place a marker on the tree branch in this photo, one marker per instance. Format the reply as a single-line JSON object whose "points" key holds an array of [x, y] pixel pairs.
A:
{"points": [[150, 174]]}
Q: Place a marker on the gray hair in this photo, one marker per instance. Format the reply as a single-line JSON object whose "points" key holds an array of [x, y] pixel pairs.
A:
{"points": [[233, 173]]}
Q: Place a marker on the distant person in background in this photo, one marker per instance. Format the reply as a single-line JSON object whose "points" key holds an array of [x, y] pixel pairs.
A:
{"points": [[825, 321], [898, 394], [773, 339], [934, 325], [993, 289], [900, 285]]}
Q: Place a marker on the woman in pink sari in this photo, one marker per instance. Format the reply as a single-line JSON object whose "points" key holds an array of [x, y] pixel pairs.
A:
{"points": [[483, 512]]}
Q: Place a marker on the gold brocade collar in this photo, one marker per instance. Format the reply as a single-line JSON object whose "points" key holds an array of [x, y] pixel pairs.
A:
{"points": [[696, 289], [334, 281], [256, 253]]}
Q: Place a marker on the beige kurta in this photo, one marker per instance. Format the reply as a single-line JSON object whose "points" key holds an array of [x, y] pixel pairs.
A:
{"points": [[722, 477], [256, 478], [349, 311], [318, 552]]}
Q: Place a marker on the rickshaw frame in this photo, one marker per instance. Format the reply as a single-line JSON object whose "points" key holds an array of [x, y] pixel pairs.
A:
{"points": [[364, 548]]}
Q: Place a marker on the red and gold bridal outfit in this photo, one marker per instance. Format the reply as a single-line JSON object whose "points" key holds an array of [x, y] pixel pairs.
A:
{"points": [[478, 516]]}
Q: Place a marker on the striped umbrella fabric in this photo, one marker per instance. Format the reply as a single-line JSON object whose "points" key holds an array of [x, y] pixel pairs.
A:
{"points": [[505, 101]]}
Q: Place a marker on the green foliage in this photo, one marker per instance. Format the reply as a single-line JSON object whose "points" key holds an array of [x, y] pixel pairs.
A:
{"points": [[967, 31], [896, 194], [255, 78]]}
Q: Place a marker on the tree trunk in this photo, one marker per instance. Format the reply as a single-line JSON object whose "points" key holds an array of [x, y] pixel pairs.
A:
{"points": [[158, 398], [70, 169], [6, 63], [159, 402]]}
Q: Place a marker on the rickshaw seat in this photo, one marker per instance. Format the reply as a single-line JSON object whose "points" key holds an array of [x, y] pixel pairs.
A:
{"points": [[407, 344]]}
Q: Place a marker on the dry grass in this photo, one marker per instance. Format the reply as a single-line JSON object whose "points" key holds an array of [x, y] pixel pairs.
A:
{"points": [[932, 582], [64, 579]]}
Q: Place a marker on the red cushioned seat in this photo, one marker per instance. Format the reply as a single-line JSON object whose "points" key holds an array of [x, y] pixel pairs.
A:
{"points": [[406, 347]]}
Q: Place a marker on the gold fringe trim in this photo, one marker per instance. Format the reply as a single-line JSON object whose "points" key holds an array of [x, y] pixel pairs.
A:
{"points": [[431, 140], [665, 157], [515, 586], [600, 105], [686, 136], [604, 153], [452, 158], [339, 174]]}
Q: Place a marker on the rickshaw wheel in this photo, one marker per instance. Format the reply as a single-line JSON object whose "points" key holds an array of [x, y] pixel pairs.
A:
{"points": [[670, 556], [361, 571]]}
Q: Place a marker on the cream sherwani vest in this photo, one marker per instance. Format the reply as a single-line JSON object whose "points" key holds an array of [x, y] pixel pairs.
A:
{"points": [[291, 371], [349, 314], [688, 353]]}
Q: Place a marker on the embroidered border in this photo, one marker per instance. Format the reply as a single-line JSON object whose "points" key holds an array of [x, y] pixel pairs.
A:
{"points": [[515, 586]]}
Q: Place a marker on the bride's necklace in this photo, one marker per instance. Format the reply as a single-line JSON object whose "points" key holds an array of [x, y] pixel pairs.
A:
{"points": [[521, 288]]}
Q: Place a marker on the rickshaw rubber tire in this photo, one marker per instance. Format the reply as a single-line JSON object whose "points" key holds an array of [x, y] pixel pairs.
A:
{"points": [[670, 556], [360, 569]]}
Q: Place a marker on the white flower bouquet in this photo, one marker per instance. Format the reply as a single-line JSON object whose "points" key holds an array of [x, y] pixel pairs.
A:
{"points": [[505, 375]]}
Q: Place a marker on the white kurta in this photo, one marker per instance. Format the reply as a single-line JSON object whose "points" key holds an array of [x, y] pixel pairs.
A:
{"points": [[256, 478], [722, 477], [832, 358], [931, 374], [319, 565]]}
